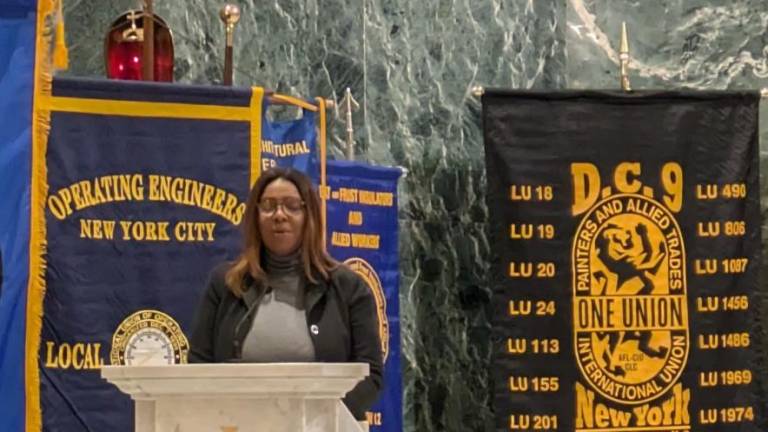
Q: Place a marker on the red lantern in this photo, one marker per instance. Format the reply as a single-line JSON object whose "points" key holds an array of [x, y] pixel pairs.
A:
{"points": [[124, 45]]}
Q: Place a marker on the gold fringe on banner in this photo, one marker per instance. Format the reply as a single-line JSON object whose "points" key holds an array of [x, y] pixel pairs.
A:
{"points": [[47, 11]]}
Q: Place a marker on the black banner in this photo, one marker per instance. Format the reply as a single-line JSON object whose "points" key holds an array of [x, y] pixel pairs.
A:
{"points": [[627, 233]]}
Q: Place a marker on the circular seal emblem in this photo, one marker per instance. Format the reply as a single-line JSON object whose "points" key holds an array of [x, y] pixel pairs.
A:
{"points": [[148, 338], [366, 271], [630, 308]]}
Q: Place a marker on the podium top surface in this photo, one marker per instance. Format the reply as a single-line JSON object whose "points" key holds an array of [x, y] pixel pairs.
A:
{"points": [[241, 380], [239, 370]]}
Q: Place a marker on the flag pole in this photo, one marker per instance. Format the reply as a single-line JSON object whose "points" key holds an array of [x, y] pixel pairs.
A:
{"points": [[148, 55]]}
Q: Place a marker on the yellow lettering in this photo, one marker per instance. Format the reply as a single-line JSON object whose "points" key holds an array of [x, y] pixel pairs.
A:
{"points": [[267, 164], [87, 193], [107, 185], [77, 356], [229, 207], [384, 199], [218, 201], [373, 418], [208, 191], [188, 184], [585, 400], [66, 197], [125, 186], [151, 231], [165, 188], [125, 226], [586, 186], [179, 232], [341, 239], [137, 187], [672, 180], [57, 208], [209, 227], [121, 187], [154, 187], [365, 241], [196, 194], [355, 218], [85, 187], [143, 230], [622, 180], [65, 356], [239, 214], [194, 231], [50, 359], [75, 189], [96, 354], [88, 358], [162, 231], [97, 229], [177, 190], [348, 195]]}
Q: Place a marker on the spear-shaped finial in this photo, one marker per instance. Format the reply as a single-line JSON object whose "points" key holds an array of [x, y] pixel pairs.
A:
{"points": [[624, 59], [349, 103]]}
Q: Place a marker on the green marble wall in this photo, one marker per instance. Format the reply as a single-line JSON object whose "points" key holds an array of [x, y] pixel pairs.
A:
{"points": [[412, 65]]}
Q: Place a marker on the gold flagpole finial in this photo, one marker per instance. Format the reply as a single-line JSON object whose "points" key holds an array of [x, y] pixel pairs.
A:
{"points": [[230, 15], [624, 59]]}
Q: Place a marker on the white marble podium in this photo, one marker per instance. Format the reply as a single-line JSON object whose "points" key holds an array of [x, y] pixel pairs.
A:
{"points": [[242, 397]]}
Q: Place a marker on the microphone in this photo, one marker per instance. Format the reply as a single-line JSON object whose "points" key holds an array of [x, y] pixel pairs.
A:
{"points": [[255, 300]]}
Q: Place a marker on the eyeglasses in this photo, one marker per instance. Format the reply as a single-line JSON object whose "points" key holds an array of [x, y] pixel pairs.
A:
{"points": [[290, 205]]}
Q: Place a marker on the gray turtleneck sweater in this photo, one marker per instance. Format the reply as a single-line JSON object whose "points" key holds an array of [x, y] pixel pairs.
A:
{"points": [[279, 330]]}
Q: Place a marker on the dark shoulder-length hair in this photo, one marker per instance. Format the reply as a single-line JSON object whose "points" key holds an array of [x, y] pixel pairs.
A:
{"points": [[314, 257]]}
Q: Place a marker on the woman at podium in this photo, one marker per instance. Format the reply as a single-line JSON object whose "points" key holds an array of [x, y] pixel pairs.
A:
{"points": [[285, 299]]}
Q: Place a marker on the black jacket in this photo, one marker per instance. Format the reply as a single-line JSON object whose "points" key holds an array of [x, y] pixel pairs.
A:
{"points": [[343, 309]]}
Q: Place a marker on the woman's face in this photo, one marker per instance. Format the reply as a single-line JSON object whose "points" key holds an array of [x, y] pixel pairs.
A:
{"points": [[281, 217]]}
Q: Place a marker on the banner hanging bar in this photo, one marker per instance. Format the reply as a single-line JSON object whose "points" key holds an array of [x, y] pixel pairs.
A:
{"points": [[478, 91], [281, 99]]}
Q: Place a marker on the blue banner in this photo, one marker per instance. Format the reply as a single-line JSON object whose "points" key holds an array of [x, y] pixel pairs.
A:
{"points": [[147, 187], [362, 232], [17, 63], [14, 7], [290, 143]]}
